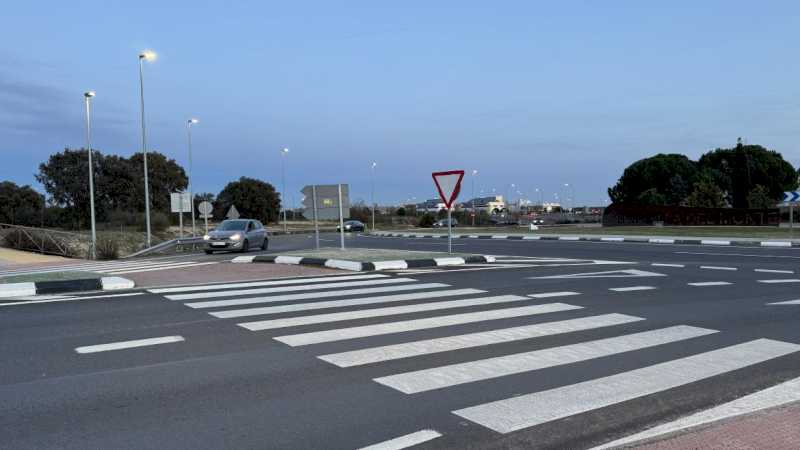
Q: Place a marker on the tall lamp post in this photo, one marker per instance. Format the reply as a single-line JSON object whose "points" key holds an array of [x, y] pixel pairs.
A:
{"points": [[189, 124], [284, 152], [372, 194], [572, 199], [474, 213], [87, 96], [147, 55]]}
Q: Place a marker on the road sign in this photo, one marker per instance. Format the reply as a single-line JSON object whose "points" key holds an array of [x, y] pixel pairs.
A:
{"points": [[180, 202], [791, 196], [448, 184], [205, 209], [232, 213]]}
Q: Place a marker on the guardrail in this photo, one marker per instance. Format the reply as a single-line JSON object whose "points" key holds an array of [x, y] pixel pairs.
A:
{"points": [[44, 241], [179, 244]]}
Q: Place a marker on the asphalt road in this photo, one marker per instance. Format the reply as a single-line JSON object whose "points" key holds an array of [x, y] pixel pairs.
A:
{"points": [[654, 333]]}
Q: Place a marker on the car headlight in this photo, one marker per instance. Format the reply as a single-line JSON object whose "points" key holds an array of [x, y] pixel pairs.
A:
{"points": [[347, 227], [236, 237], [206, 237]]}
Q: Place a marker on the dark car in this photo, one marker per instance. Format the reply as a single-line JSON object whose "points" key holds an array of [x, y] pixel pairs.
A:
{"points": [[236, 235], [443, 223], [352, 225]]}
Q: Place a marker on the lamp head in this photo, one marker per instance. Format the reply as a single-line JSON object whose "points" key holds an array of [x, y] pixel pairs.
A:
{"points": [[89, 94], [192, 121], [148, 55]]}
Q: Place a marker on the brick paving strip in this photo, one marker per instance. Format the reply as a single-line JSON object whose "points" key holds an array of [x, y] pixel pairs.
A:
{"points": [[775, 429]]}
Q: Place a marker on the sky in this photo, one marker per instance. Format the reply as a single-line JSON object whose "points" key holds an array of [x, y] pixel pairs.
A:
{"points": [[531, 93]]}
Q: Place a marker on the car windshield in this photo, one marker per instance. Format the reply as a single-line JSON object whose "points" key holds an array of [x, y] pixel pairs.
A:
{"points": [[232, 225]]}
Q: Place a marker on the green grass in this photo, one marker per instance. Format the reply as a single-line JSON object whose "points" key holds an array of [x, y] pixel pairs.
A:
{"points": [[50, 276]]}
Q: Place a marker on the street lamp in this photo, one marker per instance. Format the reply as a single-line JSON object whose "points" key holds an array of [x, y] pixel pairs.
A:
{"points": [[87, 96], [474, 213], [189, 124], [372, 194], [572, 199], [146, 55], [284, 152]]}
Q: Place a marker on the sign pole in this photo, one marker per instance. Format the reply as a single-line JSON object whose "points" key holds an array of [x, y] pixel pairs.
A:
{"points": [[341, 219], [180, 217], [449, 231], [316, 224], [205, 218], [791, 220]]}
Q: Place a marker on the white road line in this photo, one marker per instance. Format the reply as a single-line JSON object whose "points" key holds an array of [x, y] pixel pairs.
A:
{"points": [[420, 324], [485, 369], [314, 295], [406, 441], [165, 267], [773, 271], [785, 280], [632, 288], [70, 299], [342, 303], [554, 294], [216, 287], [309, 287], [790, 302], [781, 394], [129, 344], [377, 312], [537, 408], [667, 265], [709, 283], [718, 268], [91, 267], [480, 339]]}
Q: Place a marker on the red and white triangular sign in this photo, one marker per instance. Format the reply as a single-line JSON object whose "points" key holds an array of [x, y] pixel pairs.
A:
{"points": [[448, 184]]}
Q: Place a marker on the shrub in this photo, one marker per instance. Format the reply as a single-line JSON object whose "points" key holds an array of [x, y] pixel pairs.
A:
{"points": [[107, 248], [427, 220]]}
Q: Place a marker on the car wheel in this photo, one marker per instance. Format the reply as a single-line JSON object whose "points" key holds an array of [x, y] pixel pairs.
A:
{"points": [[265, 244], [245, 246], [208, 252]]}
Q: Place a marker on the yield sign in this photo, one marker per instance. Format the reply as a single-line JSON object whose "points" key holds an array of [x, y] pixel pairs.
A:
{"points": [[448, 184], [630, 273], [233, 213]]}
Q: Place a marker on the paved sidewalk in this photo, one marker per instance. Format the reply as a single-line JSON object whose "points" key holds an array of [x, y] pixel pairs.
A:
{"points": [[775, 429]]}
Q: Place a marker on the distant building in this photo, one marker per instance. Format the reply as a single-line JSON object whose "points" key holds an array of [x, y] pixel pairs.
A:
{"points": [[432, 206], [489, 205]]}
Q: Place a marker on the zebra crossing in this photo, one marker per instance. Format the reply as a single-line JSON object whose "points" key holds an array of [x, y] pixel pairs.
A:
{"points": [[111, 267], [336, 306]]}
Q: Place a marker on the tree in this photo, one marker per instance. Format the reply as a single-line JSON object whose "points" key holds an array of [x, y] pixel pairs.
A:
{"points": [[65, 176], [165, 177], [671, 175], [759, 198], [254, 199], [651, 197], [739, 170], [20, 205], [706, 194]]}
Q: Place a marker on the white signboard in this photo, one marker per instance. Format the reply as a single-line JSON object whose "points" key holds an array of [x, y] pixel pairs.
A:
{"points": [[180, 202], [205, 209], [233, 213]]}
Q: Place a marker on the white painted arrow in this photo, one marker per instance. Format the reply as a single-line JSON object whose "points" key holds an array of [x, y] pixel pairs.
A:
{"points": [[630, 273]]}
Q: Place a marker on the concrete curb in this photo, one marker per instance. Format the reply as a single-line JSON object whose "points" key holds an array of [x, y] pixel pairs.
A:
{"points": [[12, 290], [638, 240], [363, 266]]}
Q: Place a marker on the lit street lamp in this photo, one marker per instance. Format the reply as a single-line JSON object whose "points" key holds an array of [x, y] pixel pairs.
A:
{"points": [[87, 96], [189, 124], [372, 194], [572, 199], [284, 152], [147, 55]]}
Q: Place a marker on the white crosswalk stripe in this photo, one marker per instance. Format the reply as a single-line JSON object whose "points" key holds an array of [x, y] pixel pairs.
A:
{"points": [[528, 410], [377, 312], [420, 324], [440, 377], [250, 284], [430, 346], [302, 287], [295, 307]]}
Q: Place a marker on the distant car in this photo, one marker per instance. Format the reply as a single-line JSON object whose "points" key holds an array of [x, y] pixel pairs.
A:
{"points": [[537, 221], [236, 235], [352, 225], [443, 223]]}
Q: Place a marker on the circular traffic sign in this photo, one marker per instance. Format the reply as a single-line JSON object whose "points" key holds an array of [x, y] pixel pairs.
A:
{"points": [[205, 208]]}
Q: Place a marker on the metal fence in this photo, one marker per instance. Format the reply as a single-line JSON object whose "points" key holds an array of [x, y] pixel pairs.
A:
{"points": [[45, 241]]}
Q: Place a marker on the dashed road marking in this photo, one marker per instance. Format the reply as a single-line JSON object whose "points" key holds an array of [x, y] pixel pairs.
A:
{"points": [[667, 265], [406, 441], [632, 288], [778, 281], [718, 268], [129, 344], [709, 283], [554, 294], [773, 271]]}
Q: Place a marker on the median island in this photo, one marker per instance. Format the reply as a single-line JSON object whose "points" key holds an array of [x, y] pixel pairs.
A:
{"points": [[367, 259]]}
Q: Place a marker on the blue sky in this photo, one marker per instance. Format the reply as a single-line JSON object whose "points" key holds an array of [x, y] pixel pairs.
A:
{"points": [[532, 93]]}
